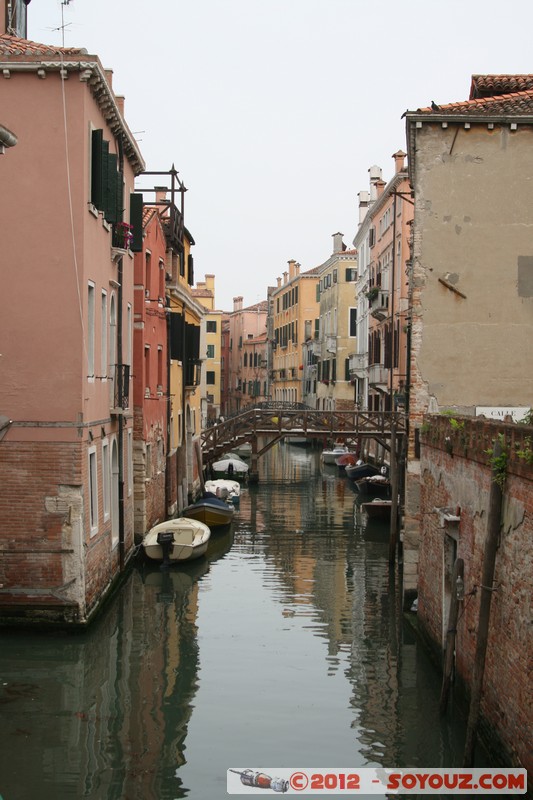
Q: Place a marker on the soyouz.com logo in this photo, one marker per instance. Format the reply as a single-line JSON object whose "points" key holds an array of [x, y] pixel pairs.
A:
{"points": [[375, 780]]}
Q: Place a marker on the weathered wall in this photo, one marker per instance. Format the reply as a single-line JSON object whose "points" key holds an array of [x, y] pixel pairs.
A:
{"points": [[472, 294], [456, 476]]}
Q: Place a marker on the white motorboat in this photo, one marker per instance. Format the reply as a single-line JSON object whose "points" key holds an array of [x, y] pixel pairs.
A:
{"points": [[224, 488], [180, 539], [330, 456], [231, 468]]}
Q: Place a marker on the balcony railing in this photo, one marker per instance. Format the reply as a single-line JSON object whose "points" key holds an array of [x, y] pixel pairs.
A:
{"points": [[358, 364], [380, 305], [378, 375], [331, 344], [121, 389]]}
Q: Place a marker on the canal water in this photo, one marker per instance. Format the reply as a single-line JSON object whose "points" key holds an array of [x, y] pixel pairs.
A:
{"points": [[285, 647]]}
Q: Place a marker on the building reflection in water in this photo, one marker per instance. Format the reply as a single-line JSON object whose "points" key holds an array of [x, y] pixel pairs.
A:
{"points": [[305, 658], [104, 714]]}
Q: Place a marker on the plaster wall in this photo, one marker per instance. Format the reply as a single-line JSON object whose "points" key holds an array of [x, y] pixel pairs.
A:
{"points": [[473, 267]]}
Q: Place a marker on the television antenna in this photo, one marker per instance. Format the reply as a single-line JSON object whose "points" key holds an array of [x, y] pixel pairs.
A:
{"points": [[63, 26]]}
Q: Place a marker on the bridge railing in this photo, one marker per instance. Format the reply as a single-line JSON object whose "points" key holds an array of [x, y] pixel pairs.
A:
{"points": [[284, 419]]}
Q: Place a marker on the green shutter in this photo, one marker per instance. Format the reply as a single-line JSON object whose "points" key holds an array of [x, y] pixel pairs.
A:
{"points": [[136, 221], [110, 199], [96, 168]]}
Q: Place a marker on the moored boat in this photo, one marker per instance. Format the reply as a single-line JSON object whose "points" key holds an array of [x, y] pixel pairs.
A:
{"points": [[211, 510], [243, 450], [360, 469], [225, 489], [346, 460], [374, 485], [232, 468], [179, 539], [330, 456], [378, 508]]}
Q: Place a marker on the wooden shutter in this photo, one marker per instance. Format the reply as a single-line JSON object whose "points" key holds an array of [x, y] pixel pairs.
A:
{"points": [[190, 270], [136, 221], [97, 144], [110, 199], [176, 337]]}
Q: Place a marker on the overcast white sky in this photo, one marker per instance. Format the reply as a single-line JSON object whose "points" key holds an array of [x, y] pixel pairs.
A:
{"points": [[273, 110]]}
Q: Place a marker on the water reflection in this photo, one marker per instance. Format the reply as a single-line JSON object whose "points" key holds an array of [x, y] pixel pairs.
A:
{"points": [[285, 646]]}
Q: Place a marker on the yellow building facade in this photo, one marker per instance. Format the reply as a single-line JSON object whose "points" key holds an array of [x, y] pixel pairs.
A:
{"points": [[295, 313]]}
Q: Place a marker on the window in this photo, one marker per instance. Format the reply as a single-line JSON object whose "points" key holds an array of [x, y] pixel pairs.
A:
{"points": [[148, 273], [353, 321], [211, 326], [245, 359], [351, 274], [334, 276], [107, 181], [106, 480], [210, 378], [103, 335], [161, 291], [159, 367], [147, 370], [148, 463], [90, 330], [210, 350], [93, 491]]}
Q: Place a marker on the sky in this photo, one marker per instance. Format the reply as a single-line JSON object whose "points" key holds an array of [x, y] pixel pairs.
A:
{"points": [[273, 111]]}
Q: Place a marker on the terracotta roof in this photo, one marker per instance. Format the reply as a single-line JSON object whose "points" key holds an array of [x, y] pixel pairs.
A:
{"points": [[14, 46], [495, 85], [148, 213], [262, 306], [512, 103]]}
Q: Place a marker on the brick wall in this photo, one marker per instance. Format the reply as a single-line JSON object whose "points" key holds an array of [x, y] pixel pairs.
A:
{"points": [[456, 478], [51, 567]]}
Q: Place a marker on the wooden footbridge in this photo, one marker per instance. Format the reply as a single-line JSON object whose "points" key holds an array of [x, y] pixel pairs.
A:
{"points": [[268, 423]]}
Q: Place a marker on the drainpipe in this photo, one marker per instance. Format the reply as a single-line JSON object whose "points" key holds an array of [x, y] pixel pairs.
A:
{"points": [[393, 278], [120, 422], [168, 479]]}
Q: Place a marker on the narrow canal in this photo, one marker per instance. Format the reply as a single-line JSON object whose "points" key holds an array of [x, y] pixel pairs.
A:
{"points": [[285, 647]]}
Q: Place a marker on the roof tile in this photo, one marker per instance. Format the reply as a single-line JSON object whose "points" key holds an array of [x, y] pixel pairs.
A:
{"points": [[14, 46]]}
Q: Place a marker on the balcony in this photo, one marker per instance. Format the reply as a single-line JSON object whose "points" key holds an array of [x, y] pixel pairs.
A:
{"points": [[331, 344], [380, 305], [316, 347], [378, 375], [358, 364], [121, 389]]}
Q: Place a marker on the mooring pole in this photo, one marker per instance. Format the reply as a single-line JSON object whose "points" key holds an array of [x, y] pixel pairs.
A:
{"points": [[457, 578], [394, 494], [487, 578]]}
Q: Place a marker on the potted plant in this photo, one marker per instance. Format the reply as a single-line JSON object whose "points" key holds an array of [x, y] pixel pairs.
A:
{"points": [[372, 293]]}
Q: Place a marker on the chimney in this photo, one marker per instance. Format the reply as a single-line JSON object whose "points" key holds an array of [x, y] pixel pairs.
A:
{"points": [[285, 276], [292, 269], [375, 176], [120, 100], [109, 77], [237, 303], [160, 194], [399, 160], [279, 282], [210, 282], [364, 202], [338, 246], [380, 185], [297, 269]]}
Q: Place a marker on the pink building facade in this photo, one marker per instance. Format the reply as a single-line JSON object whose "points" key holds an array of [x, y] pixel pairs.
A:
{"points": [[66, 324], [244, 324], [151, 397]]}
